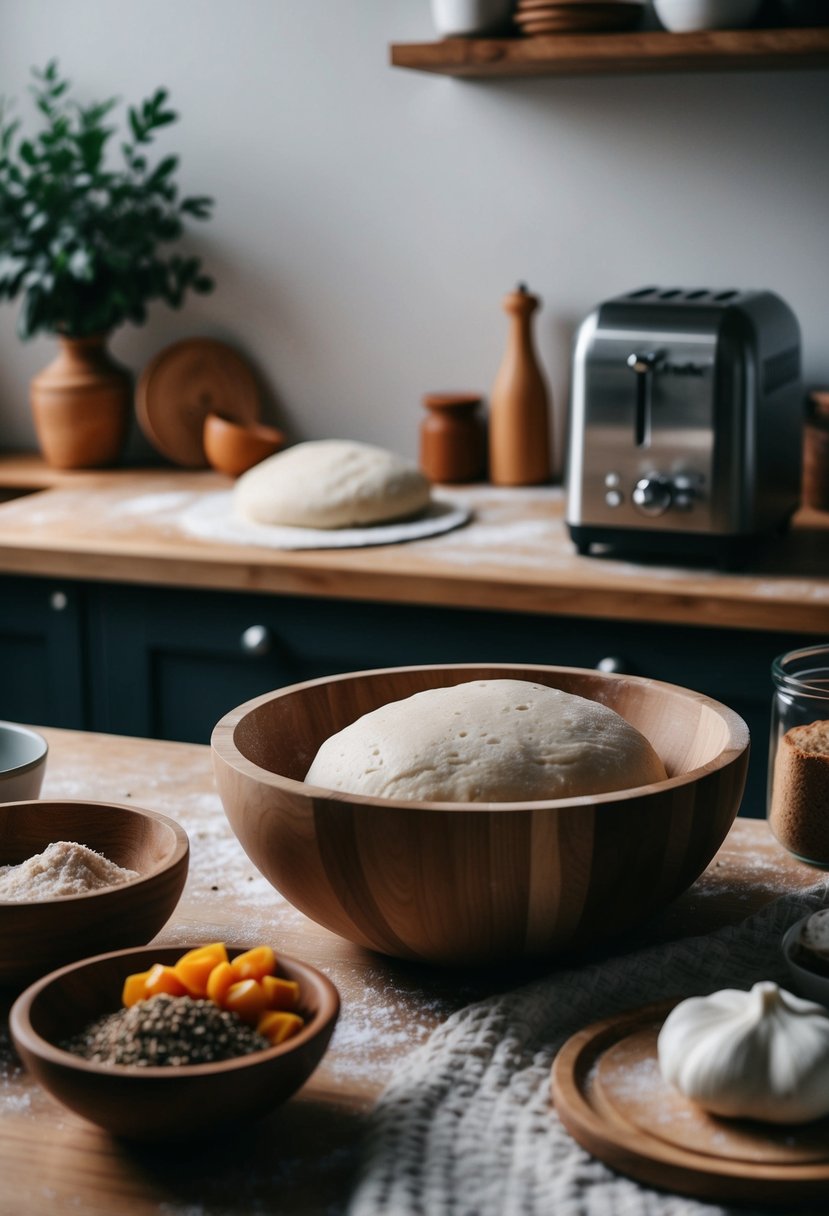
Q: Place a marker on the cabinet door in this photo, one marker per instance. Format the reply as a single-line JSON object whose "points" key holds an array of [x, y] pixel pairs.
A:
{"points": [[42, 653], [168, 663]]}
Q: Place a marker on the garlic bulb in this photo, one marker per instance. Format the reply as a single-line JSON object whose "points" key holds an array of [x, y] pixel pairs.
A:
{"points": [[762, 1054]]}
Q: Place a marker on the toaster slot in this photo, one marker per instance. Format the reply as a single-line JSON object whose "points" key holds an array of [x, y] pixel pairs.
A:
{"points": [[642, 365]]}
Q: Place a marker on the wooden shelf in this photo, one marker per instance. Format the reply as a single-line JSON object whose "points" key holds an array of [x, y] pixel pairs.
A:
{"points": [[606, 54]]}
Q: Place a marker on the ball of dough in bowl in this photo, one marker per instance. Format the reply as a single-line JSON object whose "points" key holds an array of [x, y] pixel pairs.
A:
{"points": [[487, 741], [330, 483]]}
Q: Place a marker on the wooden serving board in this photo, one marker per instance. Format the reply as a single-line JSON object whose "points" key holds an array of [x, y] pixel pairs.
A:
{"points": [[609, 1094], [182, 385]]}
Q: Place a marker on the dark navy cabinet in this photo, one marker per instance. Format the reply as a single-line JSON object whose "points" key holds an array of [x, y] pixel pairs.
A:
{"points": [[168, 663], [43, 660]]}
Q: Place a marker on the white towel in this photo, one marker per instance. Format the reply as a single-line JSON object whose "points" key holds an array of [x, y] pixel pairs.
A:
{"points": [[467, 1128]]}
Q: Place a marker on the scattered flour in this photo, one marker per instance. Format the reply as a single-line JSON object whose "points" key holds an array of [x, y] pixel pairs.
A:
{"points": [[64, 868], [154, 504], [212, 518]]}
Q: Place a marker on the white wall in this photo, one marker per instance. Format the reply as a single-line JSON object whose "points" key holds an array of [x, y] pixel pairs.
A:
{"points": [[370, 220]]}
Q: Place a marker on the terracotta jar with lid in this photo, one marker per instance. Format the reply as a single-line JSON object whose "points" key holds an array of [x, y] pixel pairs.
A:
{"points": [[453, 438]]}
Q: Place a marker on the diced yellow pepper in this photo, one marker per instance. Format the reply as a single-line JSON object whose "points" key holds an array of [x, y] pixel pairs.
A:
{"points": [[193, 968], [218, 982], [246, 998], [247, 986], [135, 988], [163, 979], [254, 964], [281, 994], [277, 1025]]}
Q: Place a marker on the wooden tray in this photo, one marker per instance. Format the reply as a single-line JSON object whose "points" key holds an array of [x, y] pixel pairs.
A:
{"points": [[182, 385], [610, 1096]]}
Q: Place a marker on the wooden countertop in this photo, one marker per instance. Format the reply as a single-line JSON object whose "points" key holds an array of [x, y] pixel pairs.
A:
{"points": [[125, 525], [302, 1158]]}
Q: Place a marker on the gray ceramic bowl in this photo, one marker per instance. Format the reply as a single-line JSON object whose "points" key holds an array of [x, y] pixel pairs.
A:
{"points": [[22, 762], [806, 983]]}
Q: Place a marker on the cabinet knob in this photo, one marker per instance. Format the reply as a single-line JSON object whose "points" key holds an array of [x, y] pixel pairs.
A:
{"points": [[58, 601], [615, 665], [257, 639]]}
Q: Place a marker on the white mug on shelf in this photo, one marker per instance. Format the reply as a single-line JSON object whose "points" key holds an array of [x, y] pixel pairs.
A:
{"points": [[682, 16], [470, 17]]}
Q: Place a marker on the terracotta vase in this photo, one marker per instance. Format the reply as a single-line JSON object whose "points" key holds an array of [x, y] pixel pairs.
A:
{"points": [[81, 404]]}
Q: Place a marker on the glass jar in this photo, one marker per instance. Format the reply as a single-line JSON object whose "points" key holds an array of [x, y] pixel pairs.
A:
{"points": [[798, 789]]}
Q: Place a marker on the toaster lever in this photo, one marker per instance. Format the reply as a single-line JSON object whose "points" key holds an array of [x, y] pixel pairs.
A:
{"points": [[643, 365]]}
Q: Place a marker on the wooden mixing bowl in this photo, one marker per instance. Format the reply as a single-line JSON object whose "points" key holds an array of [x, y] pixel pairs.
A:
{"points": [[234, 447], [36, 937], [172, 1103], [478, 882]]}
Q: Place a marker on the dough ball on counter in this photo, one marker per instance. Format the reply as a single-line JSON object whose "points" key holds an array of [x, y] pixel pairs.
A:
{"points": [[487, 741], [330, 483]]}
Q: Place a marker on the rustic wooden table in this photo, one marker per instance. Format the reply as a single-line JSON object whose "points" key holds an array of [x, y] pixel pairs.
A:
{"points": [[302, 1158]]}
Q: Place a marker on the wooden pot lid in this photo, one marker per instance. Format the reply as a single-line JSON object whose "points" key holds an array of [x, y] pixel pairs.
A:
{"points": [[609, 1094], [182, 385]]}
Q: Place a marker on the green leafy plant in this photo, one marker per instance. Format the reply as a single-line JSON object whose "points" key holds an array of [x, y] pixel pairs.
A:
{"points": [[80, 240]]}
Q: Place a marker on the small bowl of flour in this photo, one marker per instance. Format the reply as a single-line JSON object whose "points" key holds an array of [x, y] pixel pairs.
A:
{"points": [[81, 878], [63, 868]]}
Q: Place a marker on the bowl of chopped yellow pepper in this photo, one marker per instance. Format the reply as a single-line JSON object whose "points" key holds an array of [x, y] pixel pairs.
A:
{"points": [[163, 1044]]}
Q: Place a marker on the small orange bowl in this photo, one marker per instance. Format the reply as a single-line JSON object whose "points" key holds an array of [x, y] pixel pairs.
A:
{"points": [[234, 447]]}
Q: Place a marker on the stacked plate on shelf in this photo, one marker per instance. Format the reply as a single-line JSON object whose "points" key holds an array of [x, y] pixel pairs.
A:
{"points": [[535, 17]]}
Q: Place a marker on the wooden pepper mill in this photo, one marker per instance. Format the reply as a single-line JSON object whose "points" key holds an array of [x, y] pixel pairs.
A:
{"points": [[519, 438]]}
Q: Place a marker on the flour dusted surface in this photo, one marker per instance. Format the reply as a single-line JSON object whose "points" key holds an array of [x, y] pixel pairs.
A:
{"points": [[487, 741], [64, 868]]}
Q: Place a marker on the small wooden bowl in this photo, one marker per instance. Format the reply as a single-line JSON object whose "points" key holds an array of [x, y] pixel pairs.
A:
{"points": [[474, 883], [172, 1103], [235, 447], [36, 937], [22, 762]]}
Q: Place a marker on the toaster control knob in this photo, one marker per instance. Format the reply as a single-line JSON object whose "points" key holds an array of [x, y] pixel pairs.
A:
{"points": [[652, 495]]}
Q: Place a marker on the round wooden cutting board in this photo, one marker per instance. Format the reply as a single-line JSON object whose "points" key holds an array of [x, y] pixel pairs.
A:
{"points": [[609, 1094], [182, 385]]}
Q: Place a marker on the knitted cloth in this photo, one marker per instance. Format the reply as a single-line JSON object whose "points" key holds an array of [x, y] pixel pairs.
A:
{"points": [[466, 1128]]}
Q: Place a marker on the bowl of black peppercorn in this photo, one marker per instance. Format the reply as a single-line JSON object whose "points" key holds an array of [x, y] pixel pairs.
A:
{"points": [[147, 1100]]}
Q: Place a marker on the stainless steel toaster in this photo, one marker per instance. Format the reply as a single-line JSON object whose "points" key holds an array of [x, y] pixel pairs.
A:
{"points": [[685, 422]]}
